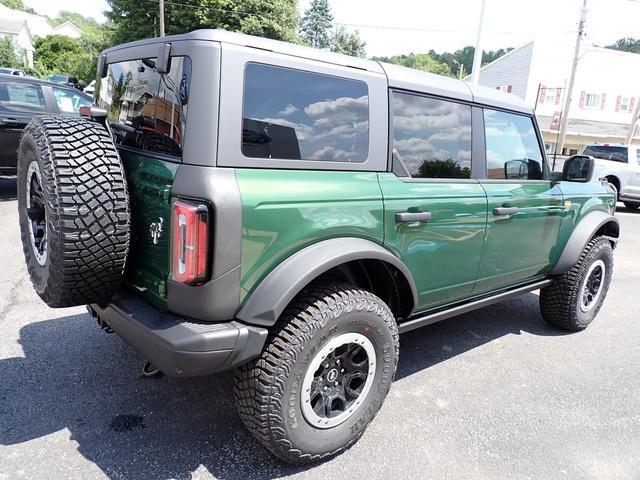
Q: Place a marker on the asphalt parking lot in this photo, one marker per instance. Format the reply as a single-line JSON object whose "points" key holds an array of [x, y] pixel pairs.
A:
{"points": [[492, 394]]}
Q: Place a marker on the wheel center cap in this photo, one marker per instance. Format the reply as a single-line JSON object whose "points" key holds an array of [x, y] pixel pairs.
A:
{"points": [[332, 375]]}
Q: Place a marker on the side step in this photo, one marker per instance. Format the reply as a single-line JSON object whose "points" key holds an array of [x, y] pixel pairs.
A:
{"points": [[469, 307]]}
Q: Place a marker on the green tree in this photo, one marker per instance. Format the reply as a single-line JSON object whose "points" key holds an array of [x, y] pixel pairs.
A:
{"points": [[419, 61], [442, 169], [61, 54], [628, 44], [135, 19], [17, 5], [348, 43], [316, 24], [8, 56]]}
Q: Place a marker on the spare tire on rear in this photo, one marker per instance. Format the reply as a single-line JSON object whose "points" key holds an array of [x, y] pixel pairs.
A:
{"points": [[73, 208]]}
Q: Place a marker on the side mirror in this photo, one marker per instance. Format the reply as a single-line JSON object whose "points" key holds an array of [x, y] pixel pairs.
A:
{"points": [[578, 168]]}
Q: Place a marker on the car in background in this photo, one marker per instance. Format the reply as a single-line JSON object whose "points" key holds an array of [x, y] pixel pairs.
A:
{"points": [[619, 164], [23, 98], [13, 71], [65, 80]]}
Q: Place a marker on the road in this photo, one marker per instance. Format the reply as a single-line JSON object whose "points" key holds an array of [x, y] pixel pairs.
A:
{"points": [[491, 394]]}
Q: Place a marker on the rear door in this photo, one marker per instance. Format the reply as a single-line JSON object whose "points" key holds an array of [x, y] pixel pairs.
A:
{"points": [[148, 111], [524, 207], [435, 212], [19, 103]]}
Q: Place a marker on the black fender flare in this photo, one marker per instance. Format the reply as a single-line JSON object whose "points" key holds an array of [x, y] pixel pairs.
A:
{"points": [[283, 283], [581, 235]]}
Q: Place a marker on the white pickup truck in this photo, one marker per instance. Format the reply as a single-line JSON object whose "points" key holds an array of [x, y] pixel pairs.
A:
{"points": [[620, 165]]}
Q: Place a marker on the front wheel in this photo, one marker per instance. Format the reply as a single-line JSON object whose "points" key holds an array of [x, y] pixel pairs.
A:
{"points": [[323, 375], [574, 298]]}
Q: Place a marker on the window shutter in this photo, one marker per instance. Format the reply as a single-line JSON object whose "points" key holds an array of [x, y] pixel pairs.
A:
{"points": [[558, 96], [582, 95], [509, 88], [543, 92], [631, 101], [618, 101], [602, 100]]}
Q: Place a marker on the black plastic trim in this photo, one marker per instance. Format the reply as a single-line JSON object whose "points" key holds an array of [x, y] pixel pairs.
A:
{"points": [[273, 294], [179, 346], [469, 307], [582, 234]]}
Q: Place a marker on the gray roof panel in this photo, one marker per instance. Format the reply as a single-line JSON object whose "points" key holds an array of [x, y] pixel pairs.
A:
{"points": [[424, 82], [263, 44], [493, 97]]}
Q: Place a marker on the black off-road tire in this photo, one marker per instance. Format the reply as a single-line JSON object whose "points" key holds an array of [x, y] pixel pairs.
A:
{"points": [[267, 390], [560, 302], [632, 205], [86, 210]]}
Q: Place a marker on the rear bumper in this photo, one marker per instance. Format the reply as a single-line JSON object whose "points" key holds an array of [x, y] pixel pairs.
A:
{"points": [[178, 346]]}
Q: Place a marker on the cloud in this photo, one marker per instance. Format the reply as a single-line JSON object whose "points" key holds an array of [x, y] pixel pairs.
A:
{"points": [[330, 153], [288, 110], [329, 113]]}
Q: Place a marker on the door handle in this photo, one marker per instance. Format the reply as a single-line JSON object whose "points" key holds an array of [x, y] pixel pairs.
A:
{"points": [[402, 217], [505, 210]]}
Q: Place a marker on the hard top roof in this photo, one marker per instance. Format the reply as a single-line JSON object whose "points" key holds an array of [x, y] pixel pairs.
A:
{"points": [[398, 77]]}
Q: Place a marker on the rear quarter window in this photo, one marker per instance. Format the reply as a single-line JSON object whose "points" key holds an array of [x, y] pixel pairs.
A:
{"points": [[155, 105], [299, 115]]}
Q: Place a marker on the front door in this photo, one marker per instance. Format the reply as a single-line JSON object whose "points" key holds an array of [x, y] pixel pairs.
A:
{"points": [[524, 208], [435, 213]]}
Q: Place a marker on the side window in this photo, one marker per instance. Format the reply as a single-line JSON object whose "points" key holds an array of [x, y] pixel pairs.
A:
{"points": [[432, 137], [513, 151], [69, 101], [298, 115], [21, 96]]}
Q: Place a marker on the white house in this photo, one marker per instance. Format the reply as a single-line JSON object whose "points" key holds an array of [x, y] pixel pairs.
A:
{"points": [[18, 32], [605, 90], [68, 29], [38, 26]]}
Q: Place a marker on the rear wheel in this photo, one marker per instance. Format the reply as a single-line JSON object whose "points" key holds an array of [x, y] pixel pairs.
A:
{"points": [[323, 375], [73, 210], [632, 205], [574, 298]]}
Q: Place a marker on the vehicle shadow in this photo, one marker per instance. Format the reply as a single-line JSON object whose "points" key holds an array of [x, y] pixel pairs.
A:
{"points": [[74, 377], [8, 189]]}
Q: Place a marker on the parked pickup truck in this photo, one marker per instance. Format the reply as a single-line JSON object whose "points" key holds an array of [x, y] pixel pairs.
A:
{"points": [[234, 202], [620, 165]]}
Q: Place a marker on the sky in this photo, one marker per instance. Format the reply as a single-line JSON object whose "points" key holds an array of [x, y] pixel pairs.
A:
{"points": [[404, 26]]}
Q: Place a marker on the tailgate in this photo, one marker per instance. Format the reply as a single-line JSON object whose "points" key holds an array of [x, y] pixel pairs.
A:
{"points": [[150, 180]]}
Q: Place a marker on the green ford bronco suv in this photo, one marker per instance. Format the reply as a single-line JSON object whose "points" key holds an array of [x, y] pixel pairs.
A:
{"points": [[235, 202]]}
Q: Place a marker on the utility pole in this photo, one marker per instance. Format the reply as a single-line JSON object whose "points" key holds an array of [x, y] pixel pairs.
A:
{"points": [[634, 121], [161, 5], [477, 54], [567, 101]]}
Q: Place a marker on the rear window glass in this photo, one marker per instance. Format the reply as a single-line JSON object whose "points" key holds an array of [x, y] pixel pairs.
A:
{"points": [[298, 115], [21, 96], [606, 152], [148, 110]]}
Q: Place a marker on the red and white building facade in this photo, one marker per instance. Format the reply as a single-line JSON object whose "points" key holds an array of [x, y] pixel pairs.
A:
{"points": [[605, 91]]}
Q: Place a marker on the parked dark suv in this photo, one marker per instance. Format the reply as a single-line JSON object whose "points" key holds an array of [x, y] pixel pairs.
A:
{"points": [[23, 98]]}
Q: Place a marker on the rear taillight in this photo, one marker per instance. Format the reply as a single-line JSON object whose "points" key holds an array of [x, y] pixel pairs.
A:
{"points": [[189, 235]]}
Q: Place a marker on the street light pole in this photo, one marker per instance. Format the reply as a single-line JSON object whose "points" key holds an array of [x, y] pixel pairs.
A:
{"points": [[477, 54], [567, 101], [161, 6]]}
